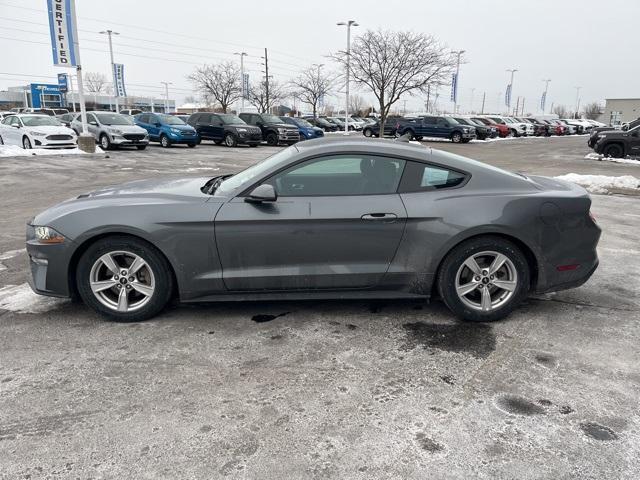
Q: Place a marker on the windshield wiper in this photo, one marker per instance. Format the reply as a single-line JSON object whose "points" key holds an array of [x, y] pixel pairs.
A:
{"points": [[210, 187]]}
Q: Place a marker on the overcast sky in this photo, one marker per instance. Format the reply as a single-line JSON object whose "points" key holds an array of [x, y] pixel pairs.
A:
{"points": [[589, 43]]}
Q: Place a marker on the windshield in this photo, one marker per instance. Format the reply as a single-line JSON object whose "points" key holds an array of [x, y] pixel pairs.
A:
{"points": [[475, 121], [450, 121], [267, 118], [113, 119], [170, 120], [301, 122], [229, 119], [40, 121], [249, 174]]}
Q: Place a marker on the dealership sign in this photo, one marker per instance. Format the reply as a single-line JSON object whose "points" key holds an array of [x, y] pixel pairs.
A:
{"points": [[64, 35], [63, 84], [118, 80]]}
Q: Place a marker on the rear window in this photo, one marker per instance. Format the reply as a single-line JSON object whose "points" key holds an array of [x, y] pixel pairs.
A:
{"points": [[420, 177]]}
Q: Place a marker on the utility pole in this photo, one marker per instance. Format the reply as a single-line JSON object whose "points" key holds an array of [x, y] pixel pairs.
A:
{"points": [[166, 96], [242, 55], [513, 70], [348, 24], [484, 96], [455, 87], [577, 100], [517, 106], [471, 102], [522, 108], [109, 33], [266, 79], [546, 89], [71, 92], [428, 96]]}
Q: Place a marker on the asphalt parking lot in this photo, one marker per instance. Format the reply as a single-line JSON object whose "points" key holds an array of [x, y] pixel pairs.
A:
{"points": [[276, 390]]}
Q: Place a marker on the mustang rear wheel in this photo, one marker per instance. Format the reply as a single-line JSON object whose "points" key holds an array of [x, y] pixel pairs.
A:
{"points": [[484, 279], [124, 279]]}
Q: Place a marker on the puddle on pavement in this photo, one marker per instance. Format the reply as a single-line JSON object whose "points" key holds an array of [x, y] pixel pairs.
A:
{"points": [[261, 318], [598, 432], [516, 405], [476, 339]]}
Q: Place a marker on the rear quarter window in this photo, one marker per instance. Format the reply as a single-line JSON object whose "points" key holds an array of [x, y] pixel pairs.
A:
{"points": [[424, 177]]}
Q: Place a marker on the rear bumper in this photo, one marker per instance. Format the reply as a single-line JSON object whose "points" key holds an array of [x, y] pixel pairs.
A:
{"points": [[571, 279]]}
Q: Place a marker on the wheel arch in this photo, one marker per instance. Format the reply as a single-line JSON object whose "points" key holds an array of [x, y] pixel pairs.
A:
{"points": [[90, 240], [532, 260]]}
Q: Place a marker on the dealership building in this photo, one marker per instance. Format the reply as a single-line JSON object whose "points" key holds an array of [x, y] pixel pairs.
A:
{"points": [[48, 95], [620, 110]]}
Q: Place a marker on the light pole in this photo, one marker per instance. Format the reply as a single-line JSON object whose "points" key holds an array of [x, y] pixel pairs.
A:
{"points": [[577, 100], [348, 24], [242, 55], [455, 87], [473, 90], [546, 89], [513, 70], [109, 33], [166, 96]]}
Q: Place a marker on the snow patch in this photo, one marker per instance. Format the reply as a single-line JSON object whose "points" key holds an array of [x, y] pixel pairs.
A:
{"points": [[602, 183], [602, 158], [16, 151], [8, 255], [21, 299]]}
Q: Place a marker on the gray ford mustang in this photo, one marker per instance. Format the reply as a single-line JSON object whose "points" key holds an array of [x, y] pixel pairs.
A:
{"points": [[331, 218]]}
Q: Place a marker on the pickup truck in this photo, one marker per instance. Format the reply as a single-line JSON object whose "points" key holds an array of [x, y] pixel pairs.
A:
{"points": [[597, 132], [274, 130], [619, 143], [435, 127]]}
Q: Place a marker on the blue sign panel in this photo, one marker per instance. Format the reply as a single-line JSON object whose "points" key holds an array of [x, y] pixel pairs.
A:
{"points": [[63, 85], [46, 92]]}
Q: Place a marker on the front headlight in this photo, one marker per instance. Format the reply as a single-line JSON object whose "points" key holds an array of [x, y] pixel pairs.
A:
{"points": [[37, 133], [175, 130], [282, 130], [48, 235], [242, 130], [115, 130]]}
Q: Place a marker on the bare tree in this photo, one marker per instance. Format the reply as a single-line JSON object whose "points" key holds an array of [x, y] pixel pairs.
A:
{"points": [[96, 82], [357, 104], [313, 86], [392, 64], [258, 95], [218, 82], [561, 111], [592, 110]]}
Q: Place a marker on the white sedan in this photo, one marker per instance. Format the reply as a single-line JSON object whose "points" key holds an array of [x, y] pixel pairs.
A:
{"points": [[36, 131]]}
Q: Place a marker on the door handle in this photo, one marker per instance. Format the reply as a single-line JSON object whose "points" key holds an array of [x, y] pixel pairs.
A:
{"points": [[380, 217]]}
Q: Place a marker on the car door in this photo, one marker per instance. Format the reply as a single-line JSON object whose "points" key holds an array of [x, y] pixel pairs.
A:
{"points": [[11, 132], [634, 141], [203, 125], [153, 126], [92, 125], [336, 224], [216, 127]]}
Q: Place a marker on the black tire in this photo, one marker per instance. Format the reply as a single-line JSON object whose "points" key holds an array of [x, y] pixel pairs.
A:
{"points": [[141, 147], [409, 134], [272, 139], [154, 259], [26, 143], [165, 142], [456, 137], [514, 133], [230, 140], [191, 145], [614, 150], [105, 143], [446, 280], [367, 132], [418, 138]]}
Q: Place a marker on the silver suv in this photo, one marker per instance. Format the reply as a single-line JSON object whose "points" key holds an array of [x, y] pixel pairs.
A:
{"points": [[113, 130]]}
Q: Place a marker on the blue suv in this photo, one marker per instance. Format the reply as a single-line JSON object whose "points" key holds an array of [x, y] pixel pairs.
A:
{"points": [[306, 130], [167, 129]]}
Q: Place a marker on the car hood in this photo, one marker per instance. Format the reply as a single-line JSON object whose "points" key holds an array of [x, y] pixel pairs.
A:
{"points": [[127, 128], [283, 125], [52, 130], [152, 192], [187, 128]]}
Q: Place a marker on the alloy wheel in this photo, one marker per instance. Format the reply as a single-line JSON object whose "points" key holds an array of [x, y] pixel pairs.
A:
{"points": [[122, 281], [26, 143], [486, 281]]}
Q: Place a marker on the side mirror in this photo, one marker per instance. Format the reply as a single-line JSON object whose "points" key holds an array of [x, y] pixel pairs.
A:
{"points": [[15, 125], [95, 124], [262, 193]]}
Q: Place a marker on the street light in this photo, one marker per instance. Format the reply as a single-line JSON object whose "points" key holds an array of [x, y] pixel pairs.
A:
{"points": [[577, 100], [455, 87], [166, 95], [513, 70], [348, 24], [109, 33], [242, 55]]}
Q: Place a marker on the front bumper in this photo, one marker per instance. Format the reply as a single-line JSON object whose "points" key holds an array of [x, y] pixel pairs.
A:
{"points": [[46, 142], [249, 138], [291, 136], [121, 140], [183, 137], [49, 267]]}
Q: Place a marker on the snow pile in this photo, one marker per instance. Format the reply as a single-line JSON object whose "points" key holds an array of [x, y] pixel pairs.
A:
{"points": [[602, 158], [9, 255], [16, 151], [602, 183], [21, 299]]}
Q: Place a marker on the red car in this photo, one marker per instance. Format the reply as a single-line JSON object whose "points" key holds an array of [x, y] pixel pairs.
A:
{"points": [[557, 127], [503, 130]]}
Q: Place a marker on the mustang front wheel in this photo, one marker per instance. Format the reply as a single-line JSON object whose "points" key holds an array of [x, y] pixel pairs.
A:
{"points": [[484, 279], [124, 279]]}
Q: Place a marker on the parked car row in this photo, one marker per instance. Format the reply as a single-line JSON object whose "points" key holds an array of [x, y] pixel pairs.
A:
{"points": [[616, 143], [35, 131]]}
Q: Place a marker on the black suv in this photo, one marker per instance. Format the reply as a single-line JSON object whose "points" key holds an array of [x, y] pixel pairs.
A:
{"points": [[224, 127], [274, 130], [619, 143], [482, 131], [596, 133], [390, 125]]}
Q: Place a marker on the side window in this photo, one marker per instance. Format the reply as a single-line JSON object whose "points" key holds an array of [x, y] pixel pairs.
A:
{"points": [[215, 120], [352, 174], [16, 121], [420, 177], [429, 120], [91, 118], [144, 118], [7, 120]]}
